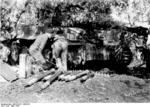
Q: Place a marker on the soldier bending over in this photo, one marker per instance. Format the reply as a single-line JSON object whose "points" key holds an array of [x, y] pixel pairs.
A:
{"points": [[59, 49]]}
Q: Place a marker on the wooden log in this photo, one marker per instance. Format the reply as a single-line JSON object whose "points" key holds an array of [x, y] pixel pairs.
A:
{"points": [[25, 66], [38, 77], [53, 78], [47, 77], [63, 76], [82, 73], [70, 77], [22, 65], [86, 77]]}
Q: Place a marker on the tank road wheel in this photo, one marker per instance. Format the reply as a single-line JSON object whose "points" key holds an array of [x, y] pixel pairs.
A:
{"points": [[123, 56]]}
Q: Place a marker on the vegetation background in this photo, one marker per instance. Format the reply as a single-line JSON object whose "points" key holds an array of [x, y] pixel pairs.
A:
{"points": [[89, 15]]}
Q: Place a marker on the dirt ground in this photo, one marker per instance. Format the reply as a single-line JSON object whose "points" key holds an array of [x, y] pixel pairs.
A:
{"points": [[101, 88]]}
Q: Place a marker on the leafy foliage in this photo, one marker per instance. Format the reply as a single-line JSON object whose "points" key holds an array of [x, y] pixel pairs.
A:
{"points": [[9, 19], [80, 13], [90, 15]]}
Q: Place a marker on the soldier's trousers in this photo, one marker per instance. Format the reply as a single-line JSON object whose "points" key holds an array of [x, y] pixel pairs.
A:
{"points": [[37, 47]]}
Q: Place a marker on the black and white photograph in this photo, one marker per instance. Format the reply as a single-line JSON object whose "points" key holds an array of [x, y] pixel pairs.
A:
{"points": [[74, 51]]}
